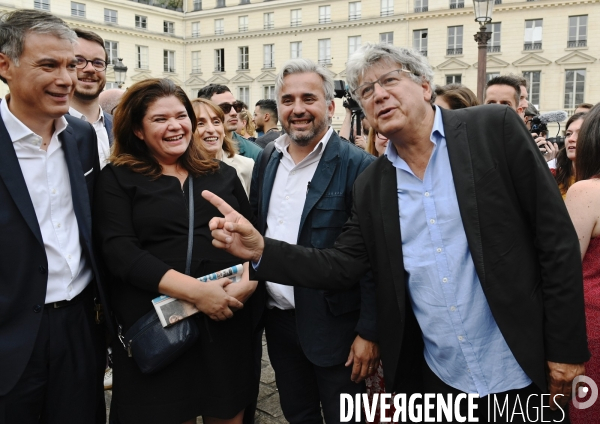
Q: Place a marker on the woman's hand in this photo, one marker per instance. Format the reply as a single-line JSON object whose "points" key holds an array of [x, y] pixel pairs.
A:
{"points": [[212, 299], [244, 288]]}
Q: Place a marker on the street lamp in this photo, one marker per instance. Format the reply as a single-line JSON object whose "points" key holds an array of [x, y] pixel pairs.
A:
{"points": [[483, 15], [120, 72]]}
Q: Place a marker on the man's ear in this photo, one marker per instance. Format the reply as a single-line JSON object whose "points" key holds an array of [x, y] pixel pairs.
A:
{"points": [[5, 66]]}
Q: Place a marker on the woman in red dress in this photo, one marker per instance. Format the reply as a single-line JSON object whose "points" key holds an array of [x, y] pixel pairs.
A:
{"points": [[583, 203]]}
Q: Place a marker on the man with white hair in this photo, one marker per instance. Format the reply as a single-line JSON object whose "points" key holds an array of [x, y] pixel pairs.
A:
{"points": [[321, 343], [478, 275]]}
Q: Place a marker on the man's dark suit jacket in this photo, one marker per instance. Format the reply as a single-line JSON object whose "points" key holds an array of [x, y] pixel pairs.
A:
{"points": [[521, 238], [23, 261], [108, 124], [327, 320]]}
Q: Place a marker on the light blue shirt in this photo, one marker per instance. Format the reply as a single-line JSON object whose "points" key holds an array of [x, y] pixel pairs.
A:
{"points": [[463, 344]]}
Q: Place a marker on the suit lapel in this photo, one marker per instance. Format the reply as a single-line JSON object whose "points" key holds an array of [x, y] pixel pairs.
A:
{"points": [[322, 177], [11, 174], [390, 213], [79, 192], [464, 184], [267, 189]]}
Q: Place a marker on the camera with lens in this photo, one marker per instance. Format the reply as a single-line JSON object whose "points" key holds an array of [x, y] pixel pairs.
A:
{"points": [[341, 92], [537, 126]]}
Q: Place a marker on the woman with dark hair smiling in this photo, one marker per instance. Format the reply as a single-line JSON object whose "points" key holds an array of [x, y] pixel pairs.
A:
{"points": [[583, 203], [142, 223], [564, 174]]}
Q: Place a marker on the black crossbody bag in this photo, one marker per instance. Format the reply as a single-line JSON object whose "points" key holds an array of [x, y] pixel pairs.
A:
{"points": [[151, 345]]}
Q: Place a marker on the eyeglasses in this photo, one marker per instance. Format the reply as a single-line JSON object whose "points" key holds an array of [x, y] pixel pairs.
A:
{"points": [[238, 106], [386, 81], [97, 64]]}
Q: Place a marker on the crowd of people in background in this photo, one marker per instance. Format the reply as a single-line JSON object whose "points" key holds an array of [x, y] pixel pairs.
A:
{"points": [[488, 283]]}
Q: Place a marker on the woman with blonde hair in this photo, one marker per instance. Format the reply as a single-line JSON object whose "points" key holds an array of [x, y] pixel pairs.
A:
{"points": [[245, 125], [210, 133]]}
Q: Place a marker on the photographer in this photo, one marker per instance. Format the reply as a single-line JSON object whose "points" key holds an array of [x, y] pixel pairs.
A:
{"points": [[539, 131], [355, 131]]}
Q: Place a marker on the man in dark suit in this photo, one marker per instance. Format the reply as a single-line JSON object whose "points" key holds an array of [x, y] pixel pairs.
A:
{"points": [[92, 59], [321, 343], [475, 259], [51, 347]]}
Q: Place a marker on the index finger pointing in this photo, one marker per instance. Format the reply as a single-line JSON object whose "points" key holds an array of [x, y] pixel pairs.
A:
{"points": [[217, 202]]}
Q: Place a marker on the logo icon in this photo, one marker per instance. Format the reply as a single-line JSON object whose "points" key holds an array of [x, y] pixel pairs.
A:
{"points": [[579, 391]]}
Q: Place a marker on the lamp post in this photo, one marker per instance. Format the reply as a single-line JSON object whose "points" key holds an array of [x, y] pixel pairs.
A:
{"points": [[483, 15], [120, 72]]}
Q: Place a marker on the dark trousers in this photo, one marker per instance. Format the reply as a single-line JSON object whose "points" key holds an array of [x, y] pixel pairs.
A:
{"points": [[491, 409], [303, 386], [62, 383]]}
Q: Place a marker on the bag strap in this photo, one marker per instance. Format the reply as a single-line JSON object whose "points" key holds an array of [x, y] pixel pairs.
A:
{"points": [[188, 261]]}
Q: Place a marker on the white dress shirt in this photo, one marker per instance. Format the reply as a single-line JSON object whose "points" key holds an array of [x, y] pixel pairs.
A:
{"points": [[47, 178], [101, 134], [290, 187]]}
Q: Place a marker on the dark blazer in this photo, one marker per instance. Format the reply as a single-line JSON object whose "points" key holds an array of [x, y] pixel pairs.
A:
{"points": [[327, 320], [23, 261], [108, 124], [521, 238]]}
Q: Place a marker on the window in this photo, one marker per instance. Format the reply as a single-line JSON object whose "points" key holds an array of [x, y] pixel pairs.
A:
{"points": [[195, 29], [325, 51], [41, 4], [577, 31], [353, 44], [324, 14], [269, 92], [497, 1], [386, 37], [269, 20], [197, 5], [494, 43], [142, 57], [421, 6], [574, 87], [453, 79], [387, 7], [243, 58], [110, 16], [457, 4], [490, 75], [195, 62], [219, 27], [169, 61], [141, 22], [533, 85], [296, 17], [243, 94], [112, 50], [78, 9], [220, 3], [354, 10], [269, 56], [244, 1], [169, 27], [455, 39], [533, 34], [219, 60], [296, 50], [243, 23], [420, 41]]}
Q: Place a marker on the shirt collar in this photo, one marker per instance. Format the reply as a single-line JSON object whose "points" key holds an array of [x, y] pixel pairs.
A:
{"points": [[282, 142], [437, 132], [79, 115], [18, 130]]}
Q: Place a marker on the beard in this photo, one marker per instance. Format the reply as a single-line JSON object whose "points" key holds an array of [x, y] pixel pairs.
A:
{"points": [[304, 138], [88, 95]]}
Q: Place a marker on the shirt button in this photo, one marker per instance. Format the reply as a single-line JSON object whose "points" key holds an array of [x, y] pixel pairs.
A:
{"points": [[426, 194], [53, 191], [287, 197], [37, 308], [281, 221], [293, 172], [444, 280], [439, 250], [58, 225], [453, 308], [68, 256], [460, 338], [432, 221]]}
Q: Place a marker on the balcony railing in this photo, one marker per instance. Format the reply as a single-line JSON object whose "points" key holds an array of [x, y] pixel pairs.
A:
{"points": [[169, 69], [196, 70], [454, 51], [532, 46], [219, 68], [296, 22], [578, 43], [387, 11], [195, 34], [325, 20], [269, 25], [354, 16], [243, 66], [176, 5], [325, 61], [219, 31], [497, 1], [243, 28], [421, 9], [423, 52], [457, 5], [269, 65], [493, 49]]}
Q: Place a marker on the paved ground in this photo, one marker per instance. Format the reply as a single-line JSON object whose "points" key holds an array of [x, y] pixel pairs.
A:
{"points": [[269, 411]]}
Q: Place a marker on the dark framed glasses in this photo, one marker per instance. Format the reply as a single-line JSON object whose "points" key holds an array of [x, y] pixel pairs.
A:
{"points": [[97, 64], [238, 106]]}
